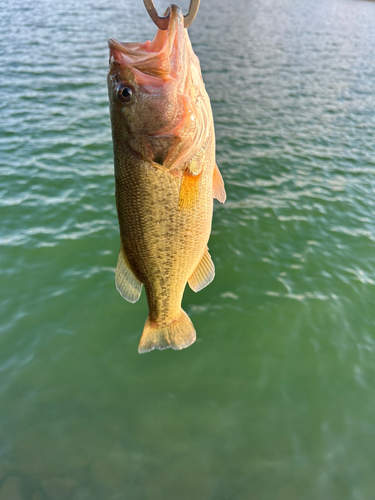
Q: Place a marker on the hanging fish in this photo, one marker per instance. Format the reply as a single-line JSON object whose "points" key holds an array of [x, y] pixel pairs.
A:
{"points": [[166, 177]]}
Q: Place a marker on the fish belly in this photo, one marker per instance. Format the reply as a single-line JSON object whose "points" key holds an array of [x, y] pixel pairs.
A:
{"points": [[162, 243]]}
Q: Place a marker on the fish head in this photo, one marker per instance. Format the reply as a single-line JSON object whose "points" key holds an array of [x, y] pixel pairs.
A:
{"points": [[157, 96]]}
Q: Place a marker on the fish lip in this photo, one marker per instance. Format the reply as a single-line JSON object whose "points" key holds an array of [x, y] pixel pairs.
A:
{"points": [[116, 45], [173, 11]]}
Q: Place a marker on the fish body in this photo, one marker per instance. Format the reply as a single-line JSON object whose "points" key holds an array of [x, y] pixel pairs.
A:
{"points": [[166, 177]]}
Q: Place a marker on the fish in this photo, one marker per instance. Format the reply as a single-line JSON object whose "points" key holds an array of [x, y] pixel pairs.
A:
{"points": [[165, 177]]}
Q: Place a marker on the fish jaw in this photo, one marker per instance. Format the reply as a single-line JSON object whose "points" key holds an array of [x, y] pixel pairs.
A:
{"points": [[170, 108]]}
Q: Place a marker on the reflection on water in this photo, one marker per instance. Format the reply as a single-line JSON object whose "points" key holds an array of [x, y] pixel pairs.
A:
{"points": [[275, 400]]}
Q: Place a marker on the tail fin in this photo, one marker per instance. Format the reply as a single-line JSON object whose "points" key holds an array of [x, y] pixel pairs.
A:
{"points": [[177, 335]]}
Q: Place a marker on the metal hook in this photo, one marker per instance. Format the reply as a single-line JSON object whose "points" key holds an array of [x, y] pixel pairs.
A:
{"points": [[162, 22]]}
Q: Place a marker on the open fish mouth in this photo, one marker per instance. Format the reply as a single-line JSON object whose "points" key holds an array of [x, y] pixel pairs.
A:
{"points": [[164, 56], [130, 49]]}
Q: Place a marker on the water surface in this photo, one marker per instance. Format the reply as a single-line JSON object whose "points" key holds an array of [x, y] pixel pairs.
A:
{"points": [[276, 399]]}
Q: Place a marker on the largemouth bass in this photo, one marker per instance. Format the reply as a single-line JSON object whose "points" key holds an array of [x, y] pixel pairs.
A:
{"points": [[166, 177]]}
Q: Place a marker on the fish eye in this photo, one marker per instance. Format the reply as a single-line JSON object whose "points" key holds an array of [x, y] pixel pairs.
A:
{"points": [[125, 93]]}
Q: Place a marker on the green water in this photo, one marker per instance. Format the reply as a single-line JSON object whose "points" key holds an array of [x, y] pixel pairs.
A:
{"points": [[276, 399]]}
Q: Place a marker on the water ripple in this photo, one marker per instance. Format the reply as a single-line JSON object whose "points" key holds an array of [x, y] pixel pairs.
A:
{"points": [[277, 393]]}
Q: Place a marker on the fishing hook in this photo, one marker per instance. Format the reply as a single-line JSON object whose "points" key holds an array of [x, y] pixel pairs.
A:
{"points": [[162, 22]]}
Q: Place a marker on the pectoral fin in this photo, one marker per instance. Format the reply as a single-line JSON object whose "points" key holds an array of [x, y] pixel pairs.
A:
{"points": [[189, 190], [218, 186], [127, 284], [203, 274]]}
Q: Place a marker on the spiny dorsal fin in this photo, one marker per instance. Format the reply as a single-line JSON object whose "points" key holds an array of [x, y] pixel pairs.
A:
{"points": [[127, 284], [203, 274], [218, 186], [189, 190]]}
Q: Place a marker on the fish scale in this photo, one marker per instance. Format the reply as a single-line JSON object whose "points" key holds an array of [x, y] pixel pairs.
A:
{"points": [[162, 244]]}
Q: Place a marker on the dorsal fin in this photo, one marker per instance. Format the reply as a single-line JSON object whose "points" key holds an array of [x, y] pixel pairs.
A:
{"points": [[127, 284]]}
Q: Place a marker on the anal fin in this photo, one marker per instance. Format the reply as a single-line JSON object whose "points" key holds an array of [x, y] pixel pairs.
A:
{"points": [[127, 284], [203, 274], [218, 186]]}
